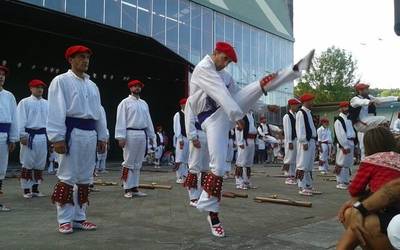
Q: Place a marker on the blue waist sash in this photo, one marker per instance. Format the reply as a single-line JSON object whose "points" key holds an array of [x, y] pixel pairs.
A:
{"points": [[5, 128], [79, 123], [32, 133]]}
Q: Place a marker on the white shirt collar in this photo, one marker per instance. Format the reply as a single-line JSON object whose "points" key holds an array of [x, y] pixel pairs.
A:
{"points": [[85, 76]]}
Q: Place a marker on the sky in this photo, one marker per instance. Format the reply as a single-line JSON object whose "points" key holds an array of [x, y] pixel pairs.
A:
{"points": [[362, 27]]}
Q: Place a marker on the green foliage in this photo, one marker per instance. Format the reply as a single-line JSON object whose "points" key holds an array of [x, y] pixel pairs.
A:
{"points": [[332, 77]]}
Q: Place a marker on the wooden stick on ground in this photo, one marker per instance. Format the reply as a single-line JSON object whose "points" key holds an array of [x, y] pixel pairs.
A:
{"points": [[228, 195], [284, 201], [234, 195], [329, 179], [155, 186]]}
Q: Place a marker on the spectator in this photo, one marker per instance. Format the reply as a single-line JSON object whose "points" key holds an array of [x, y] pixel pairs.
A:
{"points": [[381, 165]]}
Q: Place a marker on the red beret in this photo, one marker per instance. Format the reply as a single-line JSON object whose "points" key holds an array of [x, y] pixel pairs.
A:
{"points": [[76, 49], [294, 101], [324, 120], [227, 49], [344, 104], [182, 101], [134, 83], [5, 69], [37, 83], [361, 86], [262, 117], [306, 97]]}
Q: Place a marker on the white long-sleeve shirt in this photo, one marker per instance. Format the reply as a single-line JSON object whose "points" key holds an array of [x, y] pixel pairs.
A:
{"points": [[207, 82], [177, 126], [396, 125], [263, 129], [72, 96], [133, 112], [32, 113], [359, 101], [324, 134], [190, 121], [341, 135], [300, 126], [8, 113], [104, 120], [240, 133], [287, 127]]}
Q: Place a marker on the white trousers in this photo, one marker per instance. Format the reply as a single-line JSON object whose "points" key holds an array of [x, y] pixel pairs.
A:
{"points": [[324, 157], [217, 127], [290, 157], [246, 155], [3, 155], [369, 122], [77, 167], [132, 179], [101, 161], [229, 156], [133, 152], [305, 161], [69, 213], [346, 162], [34, 158], [360, 137], [199, 158], [134, 149], [182, 157], [182, 171]]}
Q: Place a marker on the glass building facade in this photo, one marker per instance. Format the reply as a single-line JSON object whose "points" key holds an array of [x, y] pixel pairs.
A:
{"points": [[191, 30]]}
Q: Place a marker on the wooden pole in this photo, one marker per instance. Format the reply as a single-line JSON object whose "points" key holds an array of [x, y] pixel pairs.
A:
{"points": [[155, 186], [284, 201]]}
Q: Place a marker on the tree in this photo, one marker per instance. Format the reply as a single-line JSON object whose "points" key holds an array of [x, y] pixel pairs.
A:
{"points": [[332, 77]]}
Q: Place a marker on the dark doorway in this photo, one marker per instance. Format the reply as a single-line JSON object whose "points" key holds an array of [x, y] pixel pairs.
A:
{"points": [[33, 44]]}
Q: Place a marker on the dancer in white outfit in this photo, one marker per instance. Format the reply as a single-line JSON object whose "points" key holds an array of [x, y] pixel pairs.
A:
{"points": [[199, 158], [307, 138], [132, 130], [324, 145], [362, 112], [268, 133], [219, 104], [345, 139], [289, 128], [8, 128], [32, 115], [76, 127], [182, 144], [160, 146], [245, 139], [231, 152]]}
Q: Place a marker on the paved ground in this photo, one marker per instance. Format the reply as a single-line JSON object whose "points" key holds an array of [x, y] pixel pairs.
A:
{"points": [[164, 219]]}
